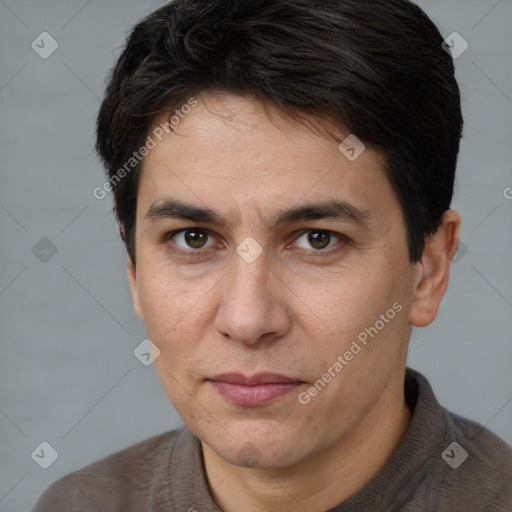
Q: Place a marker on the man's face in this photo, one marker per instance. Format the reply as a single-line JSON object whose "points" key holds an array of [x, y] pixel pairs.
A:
{"points": [[213, 304]]}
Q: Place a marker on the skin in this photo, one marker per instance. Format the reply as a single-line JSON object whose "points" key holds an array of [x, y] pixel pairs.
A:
{"points": [[292, 311]]}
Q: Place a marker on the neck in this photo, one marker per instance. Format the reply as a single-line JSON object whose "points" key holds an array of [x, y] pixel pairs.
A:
{"points": [[322, 482]]}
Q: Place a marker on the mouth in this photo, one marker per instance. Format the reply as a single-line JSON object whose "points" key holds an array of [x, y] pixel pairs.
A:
{"points": [[256, 390]]}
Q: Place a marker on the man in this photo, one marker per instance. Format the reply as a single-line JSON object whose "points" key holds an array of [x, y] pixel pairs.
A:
{"points": [[282, 174]]}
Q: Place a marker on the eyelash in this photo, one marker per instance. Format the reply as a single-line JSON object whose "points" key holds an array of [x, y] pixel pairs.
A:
{"points": [[344, 240]]}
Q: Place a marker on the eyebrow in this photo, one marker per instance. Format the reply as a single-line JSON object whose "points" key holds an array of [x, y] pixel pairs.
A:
{"points": [[331, 209]]}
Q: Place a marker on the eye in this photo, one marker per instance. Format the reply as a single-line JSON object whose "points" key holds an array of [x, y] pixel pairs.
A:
{"points": [[190, 238], [321, 240], [197, 241]]}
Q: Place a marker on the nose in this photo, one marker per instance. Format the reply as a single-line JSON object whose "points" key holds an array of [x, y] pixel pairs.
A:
{"points": [[252, 306]]}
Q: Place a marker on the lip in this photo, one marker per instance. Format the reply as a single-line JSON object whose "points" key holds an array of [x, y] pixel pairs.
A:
{"points": [[253, 391], [259, 378]]}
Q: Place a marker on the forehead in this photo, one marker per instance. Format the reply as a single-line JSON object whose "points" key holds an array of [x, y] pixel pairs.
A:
{"points": [[230, 149]]}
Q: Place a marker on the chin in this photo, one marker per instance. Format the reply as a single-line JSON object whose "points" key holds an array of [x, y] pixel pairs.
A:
{"points": [[261, 450]]}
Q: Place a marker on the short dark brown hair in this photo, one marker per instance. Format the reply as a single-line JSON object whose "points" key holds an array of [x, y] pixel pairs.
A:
{"points": [[376, 68]]}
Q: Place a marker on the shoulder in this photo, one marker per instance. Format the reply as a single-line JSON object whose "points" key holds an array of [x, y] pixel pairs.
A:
{"points": [[485, 463], [467, 466], [119, 481]]}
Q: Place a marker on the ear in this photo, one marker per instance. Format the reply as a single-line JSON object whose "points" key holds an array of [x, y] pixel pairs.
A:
{"points": [[432, 272], [132, 279]]}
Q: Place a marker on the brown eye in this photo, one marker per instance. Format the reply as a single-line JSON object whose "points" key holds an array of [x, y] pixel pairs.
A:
{"points": [[195, 238], [319, 239], [192, 238]]}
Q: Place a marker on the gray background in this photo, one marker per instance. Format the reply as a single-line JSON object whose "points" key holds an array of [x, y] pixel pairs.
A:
{"points": [[67, 369]]}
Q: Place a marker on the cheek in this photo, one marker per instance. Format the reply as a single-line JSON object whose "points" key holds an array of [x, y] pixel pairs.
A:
{"points": [[348, 301], [175, 386], [365, 308], [166, 303]]}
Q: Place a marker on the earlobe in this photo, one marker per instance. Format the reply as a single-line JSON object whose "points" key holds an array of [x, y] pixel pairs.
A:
{"points": [[432, 272], [132, 280]]}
